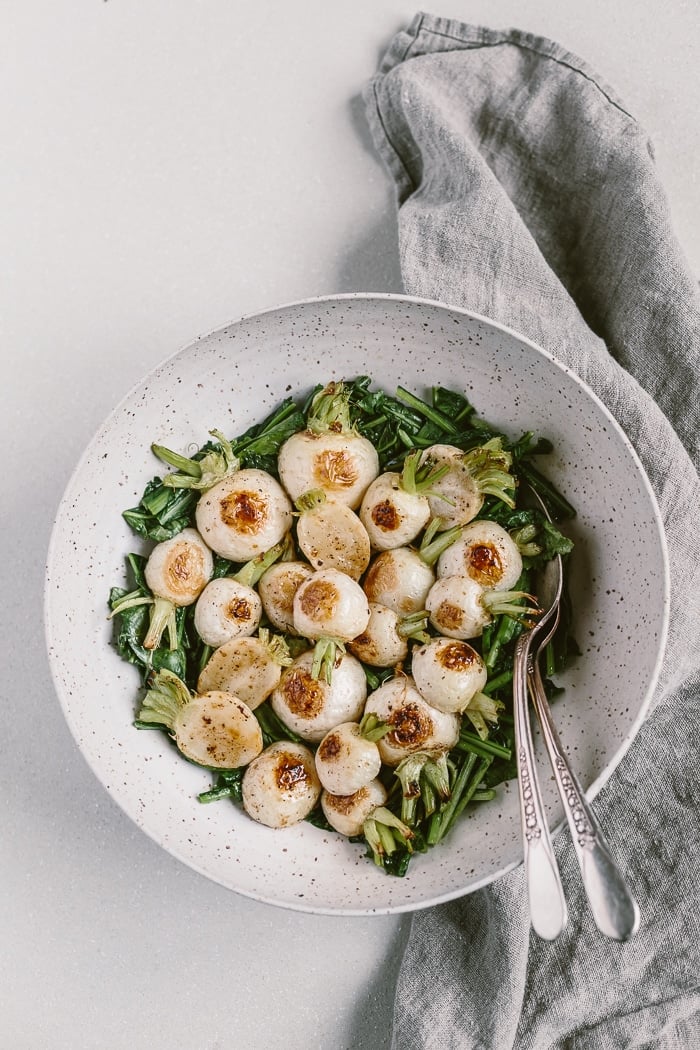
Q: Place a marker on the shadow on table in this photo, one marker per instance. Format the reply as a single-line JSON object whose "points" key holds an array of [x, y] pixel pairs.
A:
{"points": [[371, 262]]}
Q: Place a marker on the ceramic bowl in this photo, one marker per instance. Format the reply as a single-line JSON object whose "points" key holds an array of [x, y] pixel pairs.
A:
{"points": [[229, 380]]}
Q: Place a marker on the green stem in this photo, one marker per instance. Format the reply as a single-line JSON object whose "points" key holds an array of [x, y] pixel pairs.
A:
{"points": [[484, 748], [182, 463], [507, 628], [129, 601], [250, 573], [330, 410], [496, 683], [436, 773], [370, 831], [414, 626], [524, 540], [408, 474], [556, 504], [309, 500], [325, 652], [162, 618], [202, 473], [373, 728], [417, 479], [276, 647], [166, 697], [214, 794], [409, 807], [433, 833], [434, 543], [206, 652], [267, 437], [489, 466], [429, 797], [386, 838], [469, 793], [459, 786], [462, 793], [487, 707], [516, 604], [433, 414], [408, 771], [385, 816], [382, 829]]}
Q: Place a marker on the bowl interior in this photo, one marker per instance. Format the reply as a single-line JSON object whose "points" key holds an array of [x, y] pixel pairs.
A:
{"points": [[229, 380]]}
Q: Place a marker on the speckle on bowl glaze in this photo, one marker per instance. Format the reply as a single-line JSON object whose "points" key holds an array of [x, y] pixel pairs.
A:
{"points": [[229, 380]]}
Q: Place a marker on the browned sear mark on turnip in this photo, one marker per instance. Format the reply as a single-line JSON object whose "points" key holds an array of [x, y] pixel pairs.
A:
{"points": [[304, 694], [319, 599], [410, 726], [244, 511], [449, 615], [458, 656], [484, 563], [385, 516], [289, 772], [335, 468]]}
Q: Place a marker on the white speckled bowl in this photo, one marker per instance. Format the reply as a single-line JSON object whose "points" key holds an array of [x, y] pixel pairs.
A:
{"points": [[229, 380]]}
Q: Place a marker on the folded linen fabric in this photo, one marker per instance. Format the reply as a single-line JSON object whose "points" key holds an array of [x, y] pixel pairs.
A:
{"points": [[526, 192]]}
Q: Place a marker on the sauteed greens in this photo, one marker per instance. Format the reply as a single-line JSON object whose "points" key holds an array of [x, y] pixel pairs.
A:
{"points": [[324, 609]]}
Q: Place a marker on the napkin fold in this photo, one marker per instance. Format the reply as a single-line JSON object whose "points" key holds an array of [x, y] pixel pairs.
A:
{"points": [[527, 192]]}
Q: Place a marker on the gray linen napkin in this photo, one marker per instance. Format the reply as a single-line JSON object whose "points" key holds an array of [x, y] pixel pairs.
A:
{"points": [[528, 193]]}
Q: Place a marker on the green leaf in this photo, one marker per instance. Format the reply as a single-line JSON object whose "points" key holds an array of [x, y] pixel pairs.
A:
{"points": [[318, 818], [161, 512], [273, 729], [261, 442], [132, 625], [453, 405], [552, 541]]}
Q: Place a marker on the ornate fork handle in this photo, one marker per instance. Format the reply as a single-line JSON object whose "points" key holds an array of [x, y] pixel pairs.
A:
{"points": [[548, 913], [614, 908]]}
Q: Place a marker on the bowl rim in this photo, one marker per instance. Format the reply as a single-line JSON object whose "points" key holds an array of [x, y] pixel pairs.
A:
{"points": [[591, 791]]}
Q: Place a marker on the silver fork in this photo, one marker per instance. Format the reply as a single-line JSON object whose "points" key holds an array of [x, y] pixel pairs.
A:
{"points": [[548, 912], [614, 909]]}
